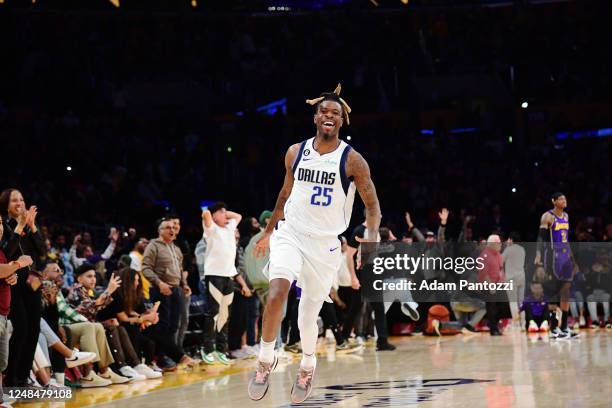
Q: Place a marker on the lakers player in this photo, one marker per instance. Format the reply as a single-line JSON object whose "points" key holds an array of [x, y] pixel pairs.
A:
{"points": [[313, 207], [553, 241]]}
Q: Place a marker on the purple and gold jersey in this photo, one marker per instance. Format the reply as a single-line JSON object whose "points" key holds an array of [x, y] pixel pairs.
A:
{"points": [[559, 237], [559, 231]]}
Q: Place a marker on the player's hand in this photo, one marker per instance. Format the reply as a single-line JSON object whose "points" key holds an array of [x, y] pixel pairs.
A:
{"points": [[575, 270], [263, 246], [186, 290], [355, 284]]}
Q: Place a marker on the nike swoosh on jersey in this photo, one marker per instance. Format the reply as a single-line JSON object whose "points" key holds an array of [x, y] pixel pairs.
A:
{"points": [[333, 249]]}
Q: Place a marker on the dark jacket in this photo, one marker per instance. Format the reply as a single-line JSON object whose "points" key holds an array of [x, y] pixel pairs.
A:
{"points": [[32, 244]]}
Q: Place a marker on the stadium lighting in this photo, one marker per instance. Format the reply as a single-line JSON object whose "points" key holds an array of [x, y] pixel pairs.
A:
{"points": [[348, 137], [69, 168], [194, 3], [229, 149], [525, 105], [514, 189], [115, 3], [509, 139], [405, 2]]}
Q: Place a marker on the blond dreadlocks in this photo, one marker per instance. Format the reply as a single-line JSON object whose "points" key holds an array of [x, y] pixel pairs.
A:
{"points": [[334, 96]]}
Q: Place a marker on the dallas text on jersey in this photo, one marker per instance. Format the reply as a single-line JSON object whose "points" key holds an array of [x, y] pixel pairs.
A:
{"points": [[316, 176]]}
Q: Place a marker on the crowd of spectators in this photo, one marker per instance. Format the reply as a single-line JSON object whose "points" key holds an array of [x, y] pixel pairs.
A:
{"points": [[112, 119]]}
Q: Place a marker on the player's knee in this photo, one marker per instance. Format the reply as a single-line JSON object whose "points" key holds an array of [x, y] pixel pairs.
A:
{"points": [[277, 295]]}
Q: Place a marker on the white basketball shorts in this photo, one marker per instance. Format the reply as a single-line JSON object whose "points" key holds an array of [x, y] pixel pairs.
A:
{"points": [[312, 261]]}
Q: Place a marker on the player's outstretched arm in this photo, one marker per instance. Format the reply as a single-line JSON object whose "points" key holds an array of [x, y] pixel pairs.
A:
{"points": [[278, 213], [358, 168]]}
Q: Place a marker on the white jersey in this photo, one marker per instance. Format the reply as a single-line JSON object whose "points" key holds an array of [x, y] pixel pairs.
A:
{"points": [[321, 201]]}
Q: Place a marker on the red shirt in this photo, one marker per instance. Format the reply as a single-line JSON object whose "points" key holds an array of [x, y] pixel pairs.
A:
{"points": [[5, 291], [493, 270]]}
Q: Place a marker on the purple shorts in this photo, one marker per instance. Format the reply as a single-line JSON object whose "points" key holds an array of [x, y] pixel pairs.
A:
{"points": [[562, 265]]}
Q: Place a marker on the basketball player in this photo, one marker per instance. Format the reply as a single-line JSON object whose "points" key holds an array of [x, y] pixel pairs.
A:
{"points": [[314, 206], [558, 259]]}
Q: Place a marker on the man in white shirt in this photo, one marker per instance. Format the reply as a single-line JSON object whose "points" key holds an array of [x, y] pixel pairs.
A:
{"points": [[220, 271]]}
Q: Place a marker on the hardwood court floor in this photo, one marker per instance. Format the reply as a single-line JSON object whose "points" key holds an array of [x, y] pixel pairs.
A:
{"points": [[479, 371]]}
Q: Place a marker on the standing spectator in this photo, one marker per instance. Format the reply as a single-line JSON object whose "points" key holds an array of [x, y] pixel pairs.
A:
{"points": [[186, 266], [238, 321], [254, 267], [22, 237], [493, 271], [219, 231], [514, 267], [200, 253], [162, 266], [380, 319], [7, 278]]}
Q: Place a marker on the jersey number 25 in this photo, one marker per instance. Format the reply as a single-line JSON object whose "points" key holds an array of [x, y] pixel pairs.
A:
{"points": [[324, 192]]}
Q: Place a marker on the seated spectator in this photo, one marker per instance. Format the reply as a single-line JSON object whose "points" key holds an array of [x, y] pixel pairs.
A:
{"points": [[82, 300], [56, 353], [136, 256], [90, 336], [598, 281], [469, 311], [536, 310], [81, 252], [129, 309]]}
